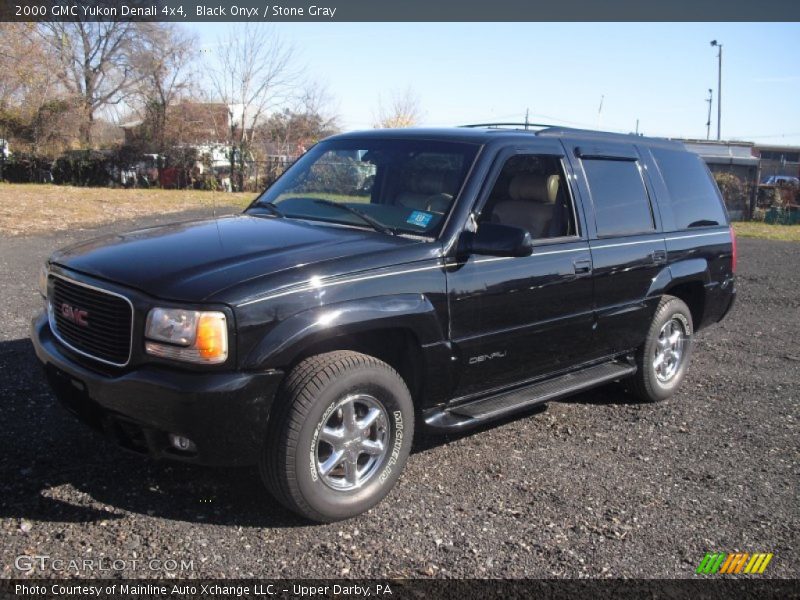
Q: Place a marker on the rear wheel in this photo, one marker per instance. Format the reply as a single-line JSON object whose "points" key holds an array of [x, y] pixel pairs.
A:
{"points": [[664, 357], [339, 437]]}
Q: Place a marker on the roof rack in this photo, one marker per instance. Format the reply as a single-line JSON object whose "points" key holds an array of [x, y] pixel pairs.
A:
{"points": [[524, 126]]}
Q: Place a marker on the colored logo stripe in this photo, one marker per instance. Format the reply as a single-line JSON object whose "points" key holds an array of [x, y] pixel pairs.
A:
{"points": [[711, 562], [734, 564], [758, 563]]}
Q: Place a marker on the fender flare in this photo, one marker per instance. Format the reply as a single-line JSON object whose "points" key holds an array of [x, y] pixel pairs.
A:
{"points": [[284, 342], [684, 271]]}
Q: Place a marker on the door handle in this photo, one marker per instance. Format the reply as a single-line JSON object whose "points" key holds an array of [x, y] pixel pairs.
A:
{"points": [[659, 256], [582, 266]]}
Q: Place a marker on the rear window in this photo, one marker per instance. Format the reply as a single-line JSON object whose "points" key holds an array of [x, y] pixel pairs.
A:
{"points": [[621, 205], [693, 194]]}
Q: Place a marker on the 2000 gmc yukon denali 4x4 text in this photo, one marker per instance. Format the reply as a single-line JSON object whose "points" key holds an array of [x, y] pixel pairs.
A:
{"points": [[391, 280]]}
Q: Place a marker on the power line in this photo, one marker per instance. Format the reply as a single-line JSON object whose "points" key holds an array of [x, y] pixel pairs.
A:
{"points": [[774, 135]]}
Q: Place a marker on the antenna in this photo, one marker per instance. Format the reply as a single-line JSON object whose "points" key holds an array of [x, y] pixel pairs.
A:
{"points": [[600, 111]]}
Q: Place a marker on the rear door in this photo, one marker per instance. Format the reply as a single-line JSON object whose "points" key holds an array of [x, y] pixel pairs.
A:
{"points": [[627, 246]]}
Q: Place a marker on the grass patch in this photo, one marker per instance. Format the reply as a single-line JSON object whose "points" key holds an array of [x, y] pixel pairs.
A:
{"points": [[27, 209], [765, 231]]}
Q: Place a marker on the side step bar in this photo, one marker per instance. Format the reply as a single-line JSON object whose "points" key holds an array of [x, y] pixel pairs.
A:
{"points": [[471, 414]]}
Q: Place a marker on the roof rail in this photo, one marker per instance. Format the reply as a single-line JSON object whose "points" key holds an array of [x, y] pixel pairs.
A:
{"points": [[524, 126]]}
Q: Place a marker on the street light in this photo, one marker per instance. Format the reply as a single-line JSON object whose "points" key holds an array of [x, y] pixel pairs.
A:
{"points": [[715, 43]]}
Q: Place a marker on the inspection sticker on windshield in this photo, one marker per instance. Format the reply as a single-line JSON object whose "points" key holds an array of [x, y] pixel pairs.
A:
{"points": [[419, 218]]}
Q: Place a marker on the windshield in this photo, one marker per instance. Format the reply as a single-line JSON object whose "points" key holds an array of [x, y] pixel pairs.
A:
{"points": [[392, 186]]}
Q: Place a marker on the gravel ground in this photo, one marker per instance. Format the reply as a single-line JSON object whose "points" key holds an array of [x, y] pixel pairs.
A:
{"points": [[597, 485]]}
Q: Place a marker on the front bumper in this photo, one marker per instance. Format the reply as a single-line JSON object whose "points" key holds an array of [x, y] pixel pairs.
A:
{"points": [[223, 413]]}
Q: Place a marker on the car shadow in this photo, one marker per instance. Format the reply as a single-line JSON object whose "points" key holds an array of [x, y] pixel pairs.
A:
{"points": [[427, 439], [611, 394], [617, 393], [54, 468]]}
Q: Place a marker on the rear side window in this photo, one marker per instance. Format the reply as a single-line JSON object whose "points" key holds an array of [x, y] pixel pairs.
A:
{"points": [[621, 205], [692, 192]]}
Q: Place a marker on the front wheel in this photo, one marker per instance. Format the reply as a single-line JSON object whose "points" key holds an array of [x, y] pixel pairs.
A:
{"points": [[339, 437], [664, 357]]}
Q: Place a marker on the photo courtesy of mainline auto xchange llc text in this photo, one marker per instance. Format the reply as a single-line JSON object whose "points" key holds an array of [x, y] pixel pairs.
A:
{"points": [[328, 300], [220, 589]]}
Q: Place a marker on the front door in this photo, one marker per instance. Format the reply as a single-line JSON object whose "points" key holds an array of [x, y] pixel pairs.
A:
{"points": [[515, 319]]}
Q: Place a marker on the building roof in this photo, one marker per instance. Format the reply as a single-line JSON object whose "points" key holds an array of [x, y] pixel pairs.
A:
{"points": [[723, 152]]}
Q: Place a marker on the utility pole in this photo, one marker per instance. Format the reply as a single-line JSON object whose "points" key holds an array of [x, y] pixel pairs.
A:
{"points": [[527, 112], [715, 43], [637, 126], [710, 99]]}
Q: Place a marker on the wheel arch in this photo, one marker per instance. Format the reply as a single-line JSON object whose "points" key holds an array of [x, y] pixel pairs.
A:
{"points": [[398, 330], [693, 294], [687, 280]]}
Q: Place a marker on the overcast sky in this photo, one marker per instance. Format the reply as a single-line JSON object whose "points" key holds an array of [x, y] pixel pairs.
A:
{"points": [[658, 73]]}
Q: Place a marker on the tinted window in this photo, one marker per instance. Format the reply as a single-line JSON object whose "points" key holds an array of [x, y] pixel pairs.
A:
{"points": [[693, 194], [621, 205]]}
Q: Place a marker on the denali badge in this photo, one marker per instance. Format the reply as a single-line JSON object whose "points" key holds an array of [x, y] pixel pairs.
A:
{"points": [[76, 315], [474, 360]]}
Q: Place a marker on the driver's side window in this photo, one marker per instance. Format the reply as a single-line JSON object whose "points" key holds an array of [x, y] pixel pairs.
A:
{"points": [[531, 192]]}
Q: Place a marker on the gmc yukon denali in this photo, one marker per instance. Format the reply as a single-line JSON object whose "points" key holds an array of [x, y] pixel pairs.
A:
{"points": [[387, 281]]}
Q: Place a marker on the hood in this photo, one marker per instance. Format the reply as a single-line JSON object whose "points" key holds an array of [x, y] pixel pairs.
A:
{"points": [[193, 261]]}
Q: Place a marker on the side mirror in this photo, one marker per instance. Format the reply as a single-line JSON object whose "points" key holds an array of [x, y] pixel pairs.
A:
{"points": [[499, 240]]}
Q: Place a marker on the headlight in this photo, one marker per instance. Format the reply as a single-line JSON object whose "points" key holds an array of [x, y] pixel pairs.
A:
{"points": [[43, 281], [187, 335]]}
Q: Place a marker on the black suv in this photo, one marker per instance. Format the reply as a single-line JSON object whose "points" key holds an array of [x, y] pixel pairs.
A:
{"points": [[391, 280]]}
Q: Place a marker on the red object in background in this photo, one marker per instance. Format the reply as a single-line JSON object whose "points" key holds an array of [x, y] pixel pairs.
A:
{"points": [[168, 178]]}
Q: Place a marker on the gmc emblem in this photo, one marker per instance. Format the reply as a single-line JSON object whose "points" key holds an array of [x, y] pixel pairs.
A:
{"points": [[76, 315]]}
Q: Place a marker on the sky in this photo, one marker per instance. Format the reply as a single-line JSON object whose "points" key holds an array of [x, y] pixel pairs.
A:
{"points": [[658, 73]]}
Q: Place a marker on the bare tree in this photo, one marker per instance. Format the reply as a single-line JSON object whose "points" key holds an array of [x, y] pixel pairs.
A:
{"points": [[403, 110], [31, 109], [94, 64], [308, 119], [163, 58], [22, 65], [254, 74]]}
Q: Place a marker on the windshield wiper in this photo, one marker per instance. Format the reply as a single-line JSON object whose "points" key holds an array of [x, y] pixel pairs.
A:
{"points": [[271, 207], [375, 224]]}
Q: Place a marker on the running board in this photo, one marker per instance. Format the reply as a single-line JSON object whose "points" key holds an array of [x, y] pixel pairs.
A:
{"points": [[471, 414]]}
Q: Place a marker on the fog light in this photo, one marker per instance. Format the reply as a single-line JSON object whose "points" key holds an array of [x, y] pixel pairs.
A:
{"points": [[181, 443]]}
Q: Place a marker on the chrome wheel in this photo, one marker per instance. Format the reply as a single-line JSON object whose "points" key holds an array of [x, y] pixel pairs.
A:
{"points": [[669, 349], [352, 442]]}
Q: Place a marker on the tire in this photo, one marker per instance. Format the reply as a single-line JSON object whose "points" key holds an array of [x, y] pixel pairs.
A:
{"points": [[652, 383], [310, 426]]}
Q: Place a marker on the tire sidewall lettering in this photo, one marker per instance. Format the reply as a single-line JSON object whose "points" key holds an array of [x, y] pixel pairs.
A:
{"points": [[687, 326], [397, 446]]}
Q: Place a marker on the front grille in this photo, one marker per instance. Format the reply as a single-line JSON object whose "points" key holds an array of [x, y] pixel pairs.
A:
{"points": [[91, 321]]}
